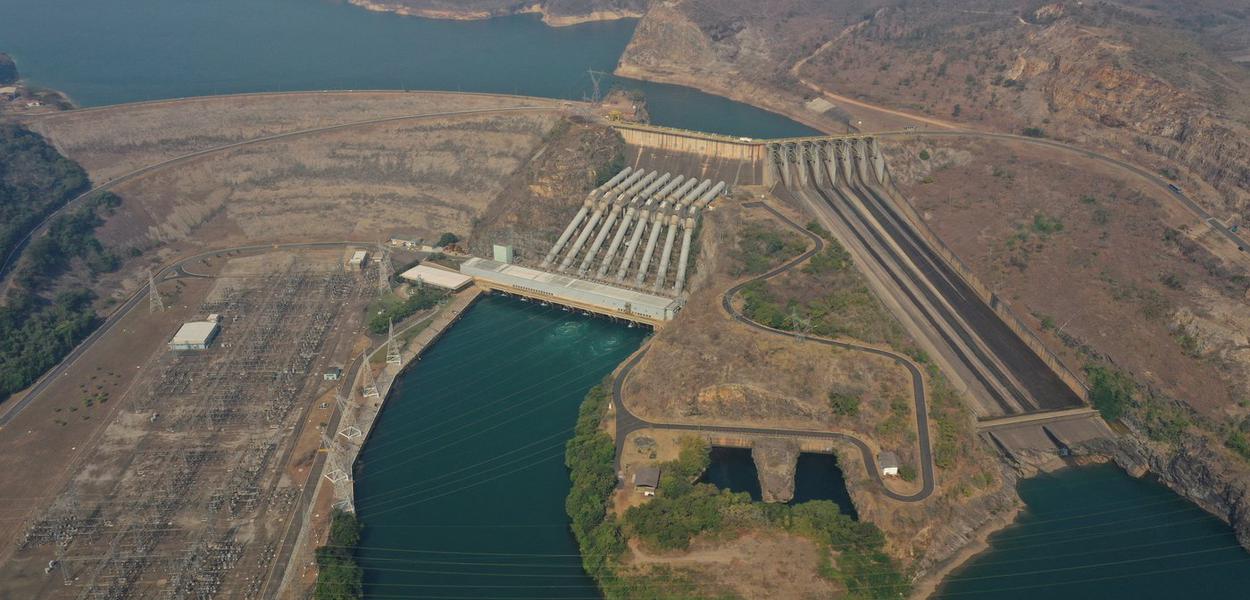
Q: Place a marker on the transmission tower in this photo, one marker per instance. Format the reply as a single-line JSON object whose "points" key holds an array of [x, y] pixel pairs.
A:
{"points": [[393, 355], [596, 77], [384, 269], [802, 325], [334, 463], [370, 388], [155, 302]]}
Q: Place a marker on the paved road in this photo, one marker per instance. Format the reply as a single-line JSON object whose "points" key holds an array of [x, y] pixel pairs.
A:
{"points": [[1188, 203], [628, 422], [166, 273], [16, 251]]}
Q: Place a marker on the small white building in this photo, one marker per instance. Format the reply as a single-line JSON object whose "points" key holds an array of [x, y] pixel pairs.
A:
{"points": [[888, 461], [359, 260], [194, 335], [442, 278], [504, 254]]}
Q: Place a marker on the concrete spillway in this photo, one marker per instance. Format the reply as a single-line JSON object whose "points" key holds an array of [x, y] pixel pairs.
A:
{"points": [[831, 162]]}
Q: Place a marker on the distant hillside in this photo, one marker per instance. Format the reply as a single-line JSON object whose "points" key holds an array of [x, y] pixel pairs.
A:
{"points": [[1161, 79], [555, 12]]}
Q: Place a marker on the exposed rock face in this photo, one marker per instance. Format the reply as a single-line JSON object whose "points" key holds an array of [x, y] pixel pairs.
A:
{"points": [[8, 70], [776, 460]]}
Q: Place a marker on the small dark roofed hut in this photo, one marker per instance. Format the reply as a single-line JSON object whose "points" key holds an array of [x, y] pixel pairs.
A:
{"points": [[647, 478]]}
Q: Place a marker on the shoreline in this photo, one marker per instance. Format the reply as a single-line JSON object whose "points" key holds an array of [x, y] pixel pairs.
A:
{"points": [[930, 583], [382, 6], [364, 415]]}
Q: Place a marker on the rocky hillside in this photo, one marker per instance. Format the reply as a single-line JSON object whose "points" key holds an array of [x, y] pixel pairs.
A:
{"points": [[1161, 81], [555, 12]]}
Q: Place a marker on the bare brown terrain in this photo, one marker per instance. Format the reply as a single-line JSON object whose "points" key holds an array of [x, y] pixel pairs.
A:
{"points": [[1159, 81], [757, 564], [1117, 254], [537, 201], [114, 140]]}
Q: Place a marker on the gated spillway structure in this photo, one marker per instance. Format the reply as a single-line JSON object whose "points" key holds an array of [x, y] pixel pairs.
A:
{"points": [[626, 232]]}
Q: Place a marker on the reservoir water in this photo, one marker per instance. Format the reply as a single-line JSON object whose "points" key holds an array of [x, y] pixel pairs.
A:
{"points": [[462, 484], [1094, 532], [113, 51]]}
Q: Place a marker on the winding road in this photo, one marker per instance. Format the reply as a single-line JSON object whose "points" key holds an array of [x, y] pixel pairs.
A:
{"points": [[628, 422]]}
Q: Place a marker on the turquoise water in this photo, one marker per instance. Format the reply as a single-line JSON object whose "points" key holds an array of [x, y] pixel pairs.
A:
{"points": [[1095, 532], [461, 486], [113, 51]]}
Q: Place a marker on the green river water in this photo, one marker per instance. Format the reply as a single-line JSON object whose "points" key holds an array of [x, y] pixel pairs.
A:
{"points": [[462, 485]]}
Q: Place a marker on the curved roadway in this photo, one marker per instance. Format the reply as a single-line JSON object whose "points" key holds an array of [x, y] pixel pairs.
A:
{"points": [[628, 422]]}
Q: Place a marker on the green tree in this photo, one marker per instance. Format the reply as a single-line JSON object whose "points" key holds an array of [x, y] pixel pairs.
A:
{"points": [[1110, 390], [447, 239]]}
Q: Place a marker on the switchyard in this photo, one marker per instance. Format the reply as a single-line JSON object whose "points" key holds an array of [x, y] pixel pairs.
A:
{"points": [[189, 490]]}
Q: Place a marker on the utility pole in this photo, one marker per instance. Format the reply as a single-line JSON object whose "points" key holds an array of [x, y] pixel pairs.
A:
{"points": [[155, 302]]}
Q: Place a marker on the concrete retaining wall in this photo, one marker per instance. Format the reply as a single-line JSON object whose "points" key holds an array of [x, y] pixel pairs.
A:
{"points": [[691, 142]]}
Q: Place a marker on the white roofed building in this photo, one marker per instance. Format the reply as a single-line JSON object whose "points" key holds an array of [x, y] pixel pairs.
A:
{"points": [[194, 335], [442, 278]]}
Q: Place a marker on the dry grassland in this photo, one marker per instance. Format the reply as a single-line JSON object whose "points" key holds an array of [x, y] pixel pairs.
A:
{"points": [[365, 183], [758, 564], [708, 368], [1113, 281], [111, 141]]}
